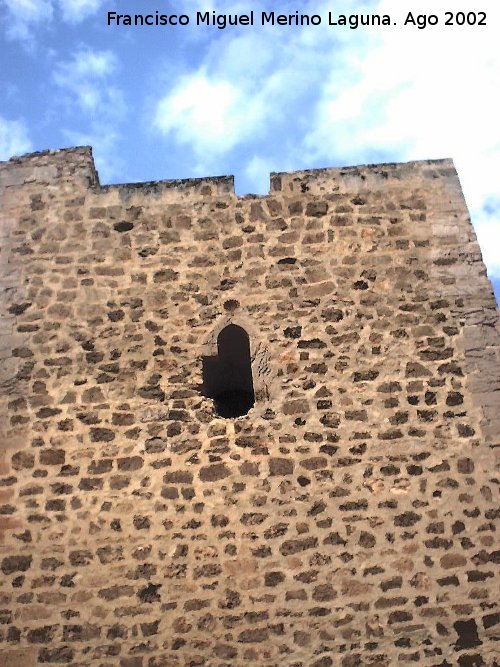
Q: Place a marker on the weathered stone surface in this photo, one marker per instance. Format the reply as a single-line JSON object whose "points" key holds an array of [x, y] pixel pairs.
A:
{"points": [[346, 516], [15, 657], [279, 466], [12, 564], [214, 472]]}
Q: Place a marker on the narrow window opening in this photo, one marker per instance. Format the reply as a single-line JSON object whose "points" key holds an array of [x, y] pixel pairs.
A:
{"points": [[227, 377]]}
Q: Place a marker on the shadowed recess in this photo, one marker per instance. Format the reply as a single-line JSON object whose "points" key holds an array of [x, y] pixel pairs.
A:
{"points": [[227, 377]]}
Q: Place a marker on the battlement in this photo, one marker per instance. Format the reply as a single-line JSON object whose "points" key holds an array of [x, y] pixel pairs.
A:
{"points": [[77, 165]]}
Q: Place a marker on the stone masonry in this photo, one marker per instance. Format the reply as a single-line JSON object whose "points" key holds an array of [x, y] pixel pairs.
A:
{"points": [[348, 519]]}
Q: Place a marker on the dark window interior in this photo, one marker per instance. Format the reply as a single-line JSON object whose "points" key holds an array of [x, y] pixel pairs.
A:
{"points": [[227, 377]]}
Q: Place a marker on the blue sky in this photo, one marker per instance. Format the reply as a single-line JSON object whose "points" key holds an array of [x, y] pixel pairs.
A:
{"points": [[175, 102]]}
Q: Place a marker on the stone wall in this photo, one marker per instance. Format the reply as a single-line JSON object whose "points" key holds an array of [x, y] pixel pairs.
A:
{"points": [[348, 519]]}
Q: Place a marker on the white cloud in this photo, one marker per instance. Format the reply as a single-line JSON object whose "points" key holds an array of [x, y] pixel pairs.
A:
{"points": [[85, 79], [86, 63], [30, 10], [14, 138], [250, 83], [421, 95], [75, 11], [97, 105], [211, 114], [25, 15]]}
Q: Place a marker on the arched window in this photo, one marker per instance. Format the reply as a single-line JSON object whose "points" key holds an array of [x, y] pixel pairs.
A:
{"points": [[227, 377]]}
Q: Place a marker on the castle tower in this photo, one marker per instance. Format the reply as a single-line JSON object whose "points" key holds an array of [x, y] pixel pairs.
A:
{"points": [[245, 431]]}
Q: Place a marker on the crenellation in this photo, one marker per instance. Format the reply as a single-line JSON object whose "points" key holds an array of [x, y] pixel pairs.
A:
{"points": [[73, 166], [347, 517]]}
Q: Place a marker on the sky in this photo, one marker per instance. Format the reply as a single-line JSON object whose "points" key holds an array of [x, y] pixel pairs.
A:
{"points": [[179, 101]]}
